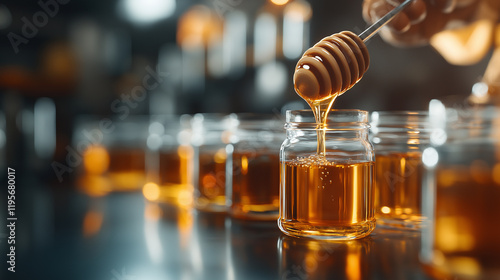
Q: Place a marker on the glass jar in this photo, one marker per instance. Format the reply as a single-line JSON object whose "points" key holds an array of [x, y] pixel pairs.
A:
{"points": [[399, 137], [329, 195], [460, 238], [253, 166], [112, 153], [210, 137], [170, 161]]}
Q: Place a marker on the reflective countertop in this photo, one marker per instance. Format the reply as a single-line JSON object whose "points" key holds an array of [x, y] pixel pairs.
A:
{"points": [[63, 233]]}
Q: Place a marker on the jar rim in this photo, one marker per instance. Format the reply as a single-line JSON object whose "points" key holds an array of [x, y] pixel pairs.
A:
{"points": [[337, 119], [256, 121]]}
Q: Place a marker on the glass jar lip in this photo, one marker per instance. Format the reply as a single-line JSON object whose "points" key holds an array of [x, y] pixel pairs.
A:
{"points": [[400, 119], [256, 121], [338, 119]]}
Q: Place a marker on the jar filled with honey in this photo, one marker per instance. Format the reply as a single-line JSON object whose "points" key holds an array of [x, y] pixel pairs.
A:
{"points": [[326, 187], [253, 166], [399, 137], [111, 154], [170, 161], [210, 137], [460, 236]]}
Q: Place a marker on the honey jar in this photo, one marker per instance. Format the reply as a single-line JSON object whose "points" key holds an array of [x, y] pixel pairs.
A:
{"points": [[253, 170], [399, 137], [462, 195], [327, 192]]}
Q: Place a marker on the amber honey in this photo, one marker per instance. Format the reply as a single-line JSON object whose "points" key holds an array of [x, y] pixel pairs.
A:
{"points": [[255, 192], [127, 168], [466, 229], [211, 190], [328, 199], [119, 169], [398, 183]]}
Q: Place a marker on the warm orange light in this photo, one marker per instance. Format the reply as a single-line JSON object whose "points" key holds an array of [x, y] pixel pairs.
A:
{"points": [[467, 45], [454, 234], [209, 181], [279, 2], [152, 212], [185, 152], [244, 165], [96, 160], [151, 191], [353, 266], [185, 198], [496, 173], [220, 156], [198, 26], [92, 223], [94, 185], [299, 11]]}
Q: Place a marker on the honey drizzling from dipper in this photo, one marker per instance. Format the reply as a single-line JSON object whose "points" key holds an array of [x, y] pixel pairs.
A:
{"points": [[327, 70], [332, 66]]}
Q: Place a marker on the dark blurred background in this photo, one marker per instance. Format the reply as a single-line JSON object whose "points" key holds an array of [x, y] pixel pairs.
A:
{"points": [[61, 59], [66, 61]]}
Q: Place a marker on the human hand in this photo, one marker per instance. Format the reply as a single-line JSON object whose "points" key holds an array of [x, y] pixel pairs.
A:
{"points": [[419, 21]]}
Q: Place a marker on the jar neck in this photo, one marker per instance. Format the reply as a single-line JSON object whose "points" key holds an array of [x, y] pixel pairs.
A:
{"points": [[474, 125], [409, 128], [337, 121]]}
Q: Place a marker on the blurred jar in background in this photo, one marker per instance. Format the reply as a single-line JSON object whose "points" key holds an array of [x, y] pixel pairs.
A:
{"points": [[253, 166], [209, 140], [113, 154], [460, 240], [170, 161], [399, 137]]}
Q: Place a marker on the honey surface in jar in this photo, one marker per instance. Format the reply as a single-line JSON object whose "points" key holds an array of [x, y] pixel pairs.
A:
{"points": [[321, 195]]}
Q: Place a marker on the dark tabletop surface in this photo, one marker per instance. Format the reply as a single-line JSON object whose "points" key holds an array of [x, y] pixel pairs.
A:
{"points": [[63, 233]]}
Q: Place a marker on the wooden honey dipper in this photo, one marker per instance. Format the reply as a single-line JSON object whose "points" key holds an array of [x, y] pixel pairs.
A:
{"points": [[336, 63]]}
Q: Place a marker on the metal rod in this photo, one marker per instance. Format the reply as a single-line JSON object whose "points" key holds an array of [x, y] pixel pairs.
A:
{"points": [[374, 28]]}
